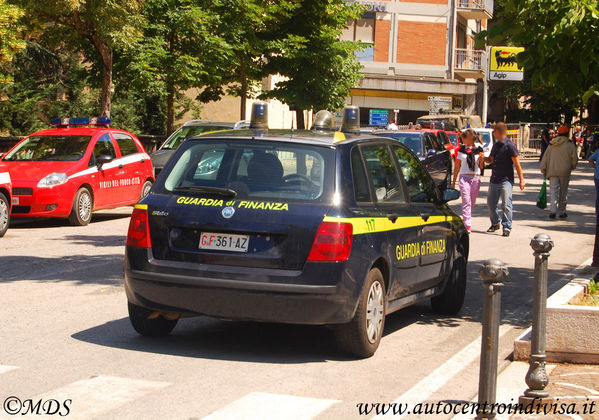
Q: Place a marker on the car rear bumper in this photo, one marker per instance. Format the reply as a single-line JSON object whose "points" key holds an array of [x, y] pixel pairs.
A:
{"points": [[298, 297]]}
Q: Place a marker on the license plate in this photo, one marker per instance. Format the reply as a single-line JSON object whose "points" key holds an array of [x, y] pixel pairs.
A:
{"points": [[15, 201], [224, 242]]}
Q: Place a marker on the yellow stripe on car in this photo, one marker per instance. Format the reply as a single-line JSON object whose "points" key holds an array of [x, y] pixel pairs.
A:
{"points": [[362, 225]]}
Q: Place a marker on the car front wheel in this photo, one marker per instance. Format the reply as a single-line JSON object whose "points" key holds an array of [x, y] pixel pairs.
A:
{"points": [[153, 327], [81, 214], [4, 214], [362, 335]]}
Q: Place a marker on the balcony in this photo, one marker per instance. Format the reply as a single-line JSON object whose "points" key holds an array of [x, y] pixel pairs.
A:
{"points": [[475, 9], [469, 63]]}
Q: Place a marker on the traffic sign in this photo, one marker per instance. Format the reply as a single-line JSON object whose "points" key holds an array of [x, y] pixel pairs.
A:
{"points": [[503, 64], [378, 117]]}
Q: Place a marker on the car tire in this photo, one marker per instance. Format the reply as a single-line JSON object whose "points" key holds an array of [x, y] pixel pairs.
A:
{"points": [[83, 205], [450, 301], [4, 214], [145, 189], [362, 335], [157, 327]]}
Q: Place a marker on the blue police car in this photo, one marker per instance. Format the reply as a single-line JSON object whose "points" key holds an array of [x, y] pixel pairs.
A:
{"points": [[309, 227]]}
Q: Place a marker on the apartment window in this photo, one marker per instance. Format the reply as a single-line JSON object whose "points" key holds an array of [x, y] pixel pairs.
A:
{"points": [[362, 30]]}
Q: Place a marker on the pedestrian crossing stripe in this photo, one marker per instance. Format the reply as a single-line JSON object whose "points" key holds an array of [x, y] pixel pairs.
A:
{"points": [[264, 406], [5, 368], [94, 396]]}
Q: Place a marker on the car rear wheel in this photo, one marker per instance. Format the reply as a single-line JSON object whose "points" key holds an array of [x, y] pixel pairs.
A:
{"points": [[451, 300], [155, 327], [81, 214], [4, 214], [145, 189], [362, 335]]}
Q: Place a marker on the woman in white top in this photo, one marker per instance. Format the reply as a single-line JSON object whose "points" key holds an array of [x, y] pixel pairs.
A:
{"points": [[468, 167]]}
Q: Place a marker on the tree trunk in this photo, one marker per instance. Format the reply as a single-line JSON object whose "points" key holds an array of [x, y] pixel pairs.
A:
{"points": [[243, 94], [105, 103], [593, 108], [299, 116], [170, 109], [105, 50]]}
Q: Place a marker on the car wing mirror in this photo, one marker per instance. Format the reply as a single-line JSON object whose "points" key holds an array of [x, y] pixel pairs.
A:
{"points": [[450, 194], [103, 159]]}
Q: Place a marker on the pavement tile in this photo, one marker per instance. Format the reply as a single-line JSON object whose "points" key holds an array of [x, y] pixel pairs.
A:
{"points": [[573, 394]]}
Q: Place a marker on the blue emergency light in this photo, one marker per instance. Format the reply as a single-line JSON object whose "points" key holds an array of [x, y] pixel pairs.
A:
{"points": [[67, 122]]}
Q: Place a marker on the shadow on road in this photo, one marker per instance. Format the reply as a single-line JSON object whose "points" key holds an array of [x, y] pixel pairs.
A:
{"points": [[30, 223], [80, 269], [95, 240]]}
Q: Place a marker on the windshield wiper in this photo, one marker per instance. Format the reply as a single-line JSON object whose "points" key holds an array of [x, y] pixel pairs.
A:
{"points": [[227, 192]]}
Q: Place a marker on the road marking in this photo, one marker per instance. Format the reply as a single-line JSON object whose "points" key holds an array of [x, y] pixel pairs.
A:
{"points": [[91, 397], [440, 376], [6, 368], [579, 387], [263, 406]]}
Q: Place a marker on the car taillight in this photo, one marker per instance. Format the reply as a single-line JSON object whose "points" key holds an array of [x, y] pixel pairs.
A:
{"points": [[139, 229], [332, 242]]}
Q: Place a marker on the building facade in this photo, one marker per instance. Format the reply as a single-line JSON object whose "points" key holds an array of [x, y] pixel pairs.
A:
{"points": [[419, 55]]}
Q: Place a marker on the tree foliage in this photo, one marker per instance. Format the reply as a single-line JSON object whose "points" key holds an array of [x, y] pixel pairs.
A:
{"points": [[11, 30], [560, 36], [105, 24], [319, 69]]}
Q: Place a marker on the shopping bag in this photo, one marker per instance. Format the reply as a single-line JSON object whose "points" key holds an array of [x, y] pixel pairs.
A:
{"points": [[542, 198]]}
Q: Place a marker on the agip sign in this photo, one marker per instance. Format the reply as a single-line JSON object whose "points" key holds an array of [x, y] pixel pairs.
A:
{"points": [[503, 64]]}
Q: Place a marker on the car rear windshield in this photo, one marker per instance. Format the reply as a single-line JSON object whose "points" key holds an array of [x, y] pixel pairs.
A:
{"points": [[253, 169], [50, 148], [178, 136], [485, 137], [453, 138], [412, 140]]}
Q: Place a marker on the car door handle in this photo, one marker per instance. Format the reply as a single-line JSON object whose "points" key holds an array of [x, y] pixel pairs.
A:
{"points": [[121, 166], [425, 216], [393, 217]]}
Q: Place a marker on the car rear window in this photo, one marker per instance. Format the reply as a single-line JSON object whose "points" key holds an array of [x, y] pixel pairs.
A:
{"points": [[412, 140], [253, 169], [126, 144], [187, 131], [50, 148], [453, 138]]}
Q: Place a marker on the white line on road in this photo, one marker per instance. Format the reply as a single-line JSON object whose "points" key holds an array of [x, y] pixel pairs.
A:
{"points": [[91, 397], [440, 376], [263, 406], [5, 368]]}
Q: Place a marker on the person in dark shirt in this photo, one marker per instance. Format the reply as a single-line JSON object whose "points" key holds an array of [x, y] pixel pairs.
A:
{"points": [[504, 156], [545, 140]]}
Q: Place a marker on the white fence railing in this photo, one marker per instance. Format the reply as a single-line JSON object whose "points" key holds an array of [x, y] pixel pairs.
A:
{"points": [[469, 59]]}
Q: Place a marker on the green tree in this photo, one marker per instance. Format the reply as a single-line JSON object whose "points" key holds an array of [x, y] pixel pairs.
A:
{"points": [[319, 69], [560, 37], [250, 33], [105, 24], [11, 35], [179, 51]]}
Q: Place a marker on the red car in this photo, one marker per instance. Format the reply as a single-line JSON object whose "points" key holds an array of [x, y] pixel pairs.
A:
{"points": [[5, 194], [455, 138], [78, 167]]}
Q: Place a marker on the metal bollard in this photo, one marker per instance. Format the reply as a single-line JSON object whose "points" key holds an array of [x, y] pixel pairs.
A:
{"points": [[536, 377], [493, 273]]}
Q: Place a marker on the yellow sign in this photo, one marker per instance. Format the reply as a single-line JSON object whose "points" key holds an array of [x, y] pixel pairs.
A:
{"points": [[504, 59]]}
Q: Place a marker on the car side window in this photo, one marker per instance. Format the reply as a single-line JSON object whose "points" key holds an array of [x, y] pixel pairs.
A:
{"points": [[126, 144], [385, 178], [103, 146], [421, 188], [443, 139], [429, 143], [361, 192]]}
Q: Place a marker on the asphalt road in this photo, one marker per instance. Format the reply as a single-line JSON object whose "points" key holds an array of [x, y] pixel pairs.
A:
{"points": [[65, 334]]}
